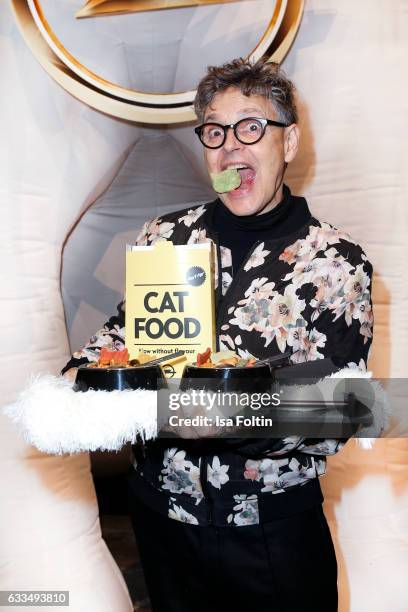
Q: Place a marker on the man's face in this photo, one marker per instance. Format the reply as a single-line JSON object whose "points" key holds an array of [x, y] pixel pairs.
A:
{"points": [[264, 162]]}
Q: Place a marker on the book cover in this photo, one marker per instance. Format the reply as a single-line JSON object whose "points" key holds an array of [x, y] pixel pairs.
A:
{"points": [[170, 301]]}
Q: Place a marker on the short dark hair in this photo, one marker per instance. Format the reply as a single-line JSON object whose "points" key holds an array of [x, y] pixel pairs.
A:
{"points": [[262, 77]]}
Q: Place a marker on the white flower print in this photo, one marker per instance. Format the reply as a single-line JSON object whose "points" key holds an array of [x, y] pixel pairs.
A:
{"points": [[226, 258], [198, 236], [290, 253], [252, 470], [354, 293], [260, 289], [331, 271], [334, 268], [157, 230], [286, 309], [298, 339], [328, 446], [226, 281], [226, 343], [246, 510], [365, 315], [303, 272], [141, 239], [181, 476], [257, 258], [357, 284], [320, 465], [252, 316], [270, 317], [175, 458], [288, 444], [252, 311], [284, 312], [305, 344], [270, 474], [266, 470], [298, 473], [317, 240], [321, 302], [179, 514], [280, 334], [217, 473], [192, 215], [274, 479], [316, 340]]}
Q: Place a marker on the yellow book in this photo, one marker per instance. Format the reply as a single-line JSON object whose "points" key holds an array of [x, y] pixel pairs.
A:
{"points": [[170, 301]]}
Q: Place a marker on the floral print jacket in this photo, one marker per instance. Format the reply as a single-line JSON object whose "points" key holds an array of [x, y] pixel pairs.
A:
{"points": [[309, 293]]}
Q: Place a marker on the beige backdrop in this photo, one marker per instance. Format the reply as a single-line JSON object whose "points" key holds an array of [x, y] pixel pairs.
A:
{"points": [[57, 157]]}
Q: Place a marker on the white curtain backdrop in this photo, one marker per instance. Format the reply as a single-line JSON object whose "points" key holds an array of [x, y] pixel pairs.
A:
{"points": [[66, 170]]}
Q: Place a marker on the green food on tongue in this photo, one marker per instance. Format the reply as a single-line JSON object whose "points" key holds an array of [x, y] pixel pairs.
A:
{"points": [[225, 181]]}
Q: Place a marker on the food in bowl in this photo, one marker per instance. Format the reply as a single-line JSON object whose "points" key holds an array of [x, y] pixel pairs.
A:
{"points": [[114, 371], [223, 359], [118, 359], [226, 371]]}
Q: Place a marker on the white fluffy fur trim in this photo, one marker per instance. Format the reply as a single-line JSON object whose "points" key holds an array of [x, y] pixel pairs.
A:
{"points": [[56, 419]]}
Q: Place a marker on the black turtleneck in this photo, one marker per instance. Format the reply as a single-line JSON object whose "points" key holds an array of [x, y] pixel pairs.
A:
{"points": [[239, 234]]}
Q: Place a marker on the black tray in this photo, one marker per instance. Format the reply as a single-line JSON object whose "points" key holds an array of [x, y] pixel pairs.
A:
{"points": [[320, 419]]}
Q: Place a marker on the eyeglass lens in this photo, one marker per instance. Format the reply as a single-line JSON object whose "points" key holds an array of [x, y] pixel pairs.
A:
{"points": [[247, 131]]}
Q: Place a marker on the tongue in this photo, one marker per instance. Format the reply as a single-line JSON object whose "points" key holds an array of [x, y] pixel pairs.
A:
{"points": [[247, 176]]}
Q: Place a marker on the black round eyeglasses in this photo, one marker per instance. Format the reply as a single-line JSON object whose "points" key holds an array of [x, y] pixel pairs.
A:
{"points": [[247, 131]]}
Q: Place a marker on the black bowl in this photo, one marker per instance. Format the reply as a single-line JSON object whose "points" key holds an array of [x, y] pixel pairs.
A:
{"points": [[255, 379], [116, 378]]}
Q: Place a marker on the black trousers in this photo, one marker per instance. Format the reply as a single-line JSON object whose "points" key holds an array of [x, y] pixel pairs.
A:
{"points": [[285, 565]]}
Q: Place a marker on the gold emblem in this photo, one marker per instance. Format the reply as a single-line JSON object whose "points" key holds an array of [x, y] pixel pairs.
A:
{"points": [[131, 104], [93, 8]]}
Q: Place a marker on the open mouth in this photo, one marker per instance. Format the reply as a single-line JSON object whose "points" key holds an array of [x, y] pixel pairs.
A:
{"points": [[247, 176]]}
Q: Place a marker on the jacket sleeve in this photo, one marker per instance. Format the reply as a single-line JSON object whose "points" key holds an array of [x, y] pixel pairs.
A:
{"points": [[341, 327], [347, 326], [112, 334]]}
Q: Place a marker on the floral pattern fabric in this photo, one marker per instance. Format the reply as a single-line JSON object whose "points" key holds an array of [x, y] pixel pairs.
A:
{"points": [[310, 293]]}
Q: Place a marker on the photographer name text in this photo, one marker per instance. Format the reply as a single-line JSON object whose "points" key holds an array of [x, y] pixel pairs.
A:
{"points": [[220, 421]]}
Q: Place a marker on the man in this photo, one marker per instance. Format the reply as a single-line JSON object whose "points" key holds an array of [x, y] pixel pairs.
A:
{"points": [[238, 524]]}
